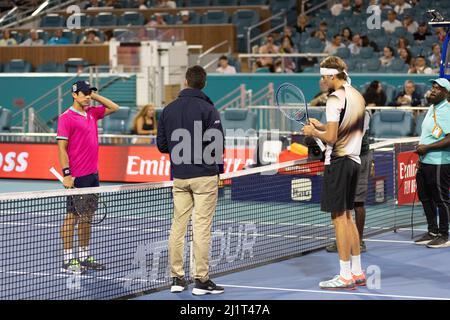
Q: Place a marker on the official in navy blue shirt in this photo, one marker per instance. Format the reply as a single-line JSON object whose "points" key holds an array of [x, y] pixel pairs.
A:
{"points": [[190, 130]]}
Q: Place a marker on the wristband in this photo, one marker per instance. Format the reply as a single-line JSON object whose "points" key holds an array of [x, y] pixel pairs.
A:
{"points": [[66, 172]]}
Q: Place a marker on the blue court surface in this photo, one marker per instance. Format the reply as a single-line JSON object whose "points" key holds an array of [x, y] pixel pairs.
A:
{"points": [[406, 271]]}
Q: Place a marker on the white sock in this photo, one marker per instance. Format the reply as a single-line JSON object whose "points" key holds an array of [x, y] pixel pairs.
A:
{"points": [[68, 255], [84, 253], [356, 265], [346, 272]]}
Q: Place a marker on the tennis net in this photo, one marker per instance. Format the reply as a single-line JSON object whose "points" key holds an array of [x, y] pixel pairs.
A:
{"points": [[264, 214]]}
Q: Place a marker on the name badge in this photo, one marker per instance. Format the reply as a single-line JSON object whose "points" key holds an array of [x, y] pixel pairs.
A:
{"points": [[437, 132]]}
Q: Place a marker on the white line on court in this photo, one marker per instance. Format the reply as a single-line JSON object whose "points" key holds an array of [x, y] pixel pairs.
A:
{"points": [[335, 292], [82, 276]]}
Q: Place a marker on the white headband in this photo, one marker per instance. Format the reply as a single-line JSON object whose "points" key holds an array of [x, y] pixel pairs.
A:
{"points": [[332, 72]]}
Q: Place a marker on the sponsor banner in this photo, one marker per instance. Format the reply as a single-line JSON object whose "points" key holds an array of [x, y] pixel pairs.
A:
{"points": [[116, 163], [406, 177]]}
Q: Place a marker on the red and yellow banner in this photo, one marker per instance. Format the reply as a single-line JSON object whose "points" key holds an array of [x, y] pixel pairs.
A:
{"points": [[406, 177], [116, 163]]}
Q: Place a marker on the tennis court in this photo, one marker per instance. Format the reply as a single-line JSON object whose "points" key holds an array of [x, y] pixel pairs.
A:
{"points": [[268, 236]]}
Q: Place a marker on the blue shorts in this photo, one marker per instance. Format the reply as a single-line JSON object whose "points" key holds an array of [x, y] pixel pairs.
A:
{"points": [[88, 181]]}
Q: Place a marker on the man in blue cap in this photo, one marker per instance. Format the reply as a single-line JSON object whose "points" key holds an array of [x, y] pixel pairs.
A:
{"points": [[433, 174]]}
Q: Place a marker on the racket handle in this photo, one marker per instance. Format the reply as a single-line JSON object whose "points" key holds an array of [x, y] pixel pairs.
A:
{"points": [[56, 174], [320, 144]]}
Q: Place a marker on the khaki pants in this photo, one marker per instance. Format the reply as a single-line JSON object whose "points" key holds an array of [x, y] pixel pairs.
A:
{"points": [[202, 193]]}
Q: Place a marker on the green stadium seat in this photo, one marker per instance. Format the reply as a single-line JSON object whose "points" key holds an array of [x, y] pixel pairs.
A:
{"points": [[52, 20], [74, 64], [197, 3], [392, 124], [242, 19], [419, 120], [194, 18], [50, 67], [238, 119], [253, 2], [222, 3], [17, 66], [5, 119], [132, 18], [117, 123], [215, 17], [104, 19], [397, 66]]}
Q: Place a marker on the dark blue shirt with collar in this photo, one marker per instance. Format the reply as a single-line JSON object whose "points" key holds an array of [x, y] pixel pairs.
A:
{"points": [[194, 112]]}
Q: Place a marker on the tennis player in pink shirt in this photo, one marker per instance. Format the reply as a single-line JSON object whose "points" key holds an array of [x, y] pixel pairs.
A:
{"points": [[78, 155]]}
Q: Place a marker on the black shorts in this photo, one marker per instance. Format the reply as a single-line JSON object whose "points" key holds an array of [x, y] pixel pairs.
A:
{"points": [[88, 181], [339, 185]]}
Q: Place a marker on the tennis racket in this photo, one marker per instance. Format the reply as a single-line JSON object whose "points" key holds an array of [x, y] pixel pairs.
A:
{"points": [[88, 207], [292, 103]]}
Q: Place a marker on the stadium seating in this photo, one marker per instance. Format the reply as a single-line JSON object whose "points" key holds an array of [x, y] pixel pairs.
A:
{"points": [[397, 66], [419, 119], [84, 20], [392, 124], [104, 19], [72, 36], [74, 64], [215, 17], [52, 20], [194, 18], [17, 65], [253, 2], [117, 123], [132, 18], [234, 62], [197, 3], [234, 119], [220, 3], [5, 119], [50, 67], [242, 19]]}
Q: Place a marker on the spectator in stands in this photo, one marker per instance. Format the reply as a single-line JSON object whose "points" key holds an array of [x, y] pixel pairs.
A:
{"points": [[58, 38], [405, 55], [435, 57], [441, 34], [92, 4], [166, 4], [144, 122], [302, 23], [7, 40], [333, 46], [385, 5], [401, 6], [420, 66], [109, 35], [269, 47], [356, 45], [391, 23], [402, 43], [113, 4], [410, 25], [347, 36], [323, 27], [184, 14], [158, 21], [388, 56], [375, 95], [287, 46], [320, 35], [422, 32], [90, 38], [339, 7], [320, 99], [287, 31], [224, 67], [33, 40], [358, 7], [142, 4], [409, 96], [365, 41]]}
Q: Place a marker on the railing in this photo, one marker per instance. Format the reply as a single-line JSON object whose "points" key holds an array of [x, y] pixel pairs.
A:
{"points": [[91, 71], [29, 15], [35, 123], [249, 30], [310, 10], [238, 98], [204, 54]]}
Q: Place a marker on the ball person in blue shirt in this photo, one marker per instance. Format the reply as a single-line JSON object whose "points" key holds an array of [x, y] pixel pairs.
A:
{"points": [[433, 174]]}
